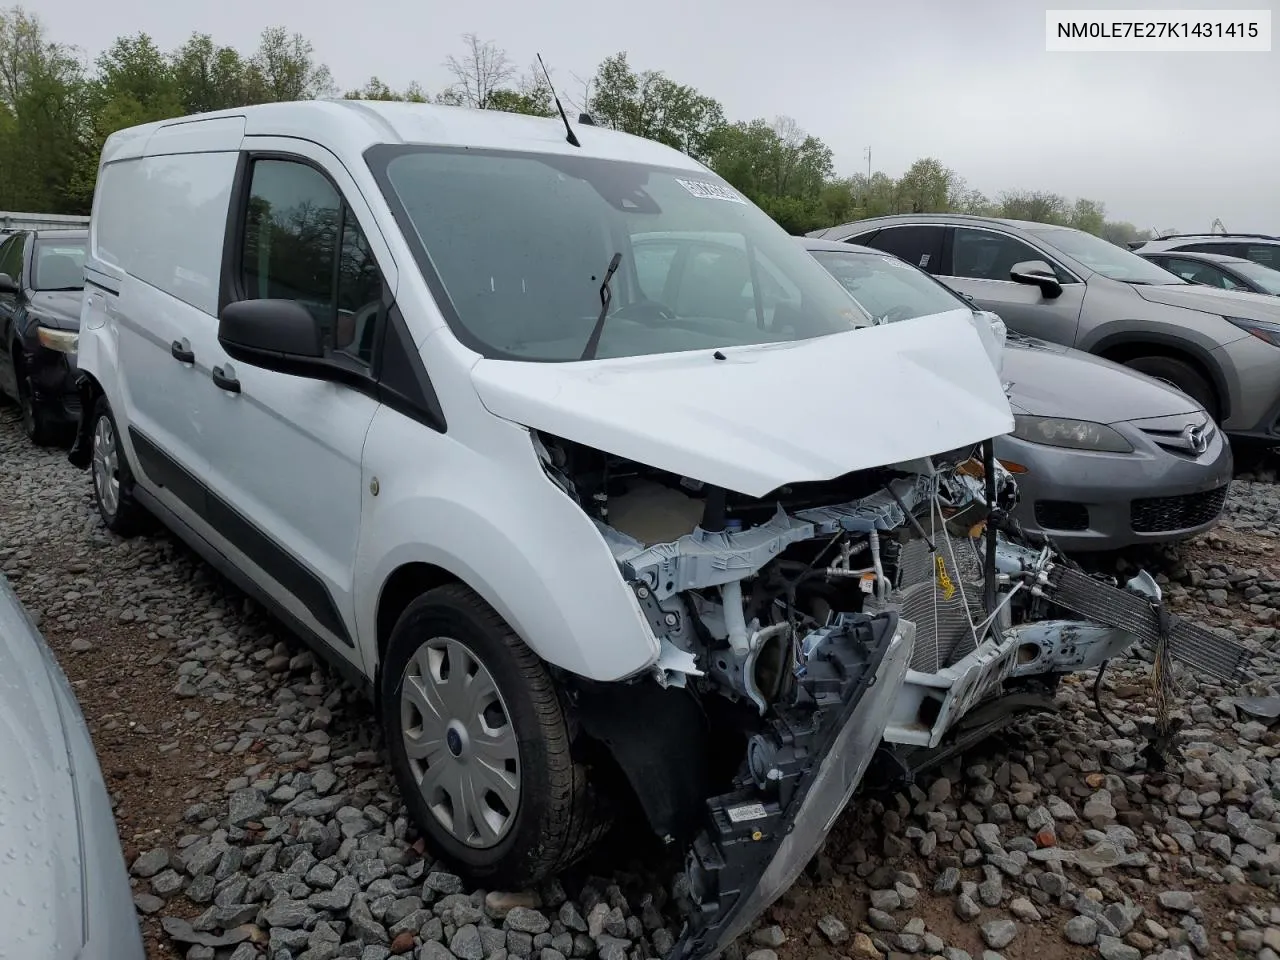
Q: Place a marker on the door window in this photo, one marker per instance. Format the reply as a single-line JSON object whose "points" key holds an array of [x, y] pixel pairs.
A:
{"points": [[11, 257], [653, 267], [1227, 249], [302, 243], [920, 246], [1194, 271], [986, 255]]}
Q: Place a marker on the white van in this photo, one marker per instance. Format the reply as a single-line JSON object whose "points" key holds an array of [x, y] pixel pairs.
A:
{"points": [[575, 521]]}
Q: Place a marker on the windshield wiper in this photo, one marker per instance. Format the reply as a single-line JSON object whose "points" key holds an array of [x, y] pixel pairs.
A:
{"points": [[606, 297]]}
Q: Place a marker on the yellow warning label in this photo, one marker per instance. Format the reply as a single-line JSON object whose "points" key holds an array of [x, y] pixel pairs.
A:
{"points": [[944, 578]]}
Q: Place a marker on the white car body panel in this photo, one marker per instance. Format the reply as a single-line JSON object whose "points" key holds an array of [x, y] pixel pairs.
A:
{"points": [[725, 422]]}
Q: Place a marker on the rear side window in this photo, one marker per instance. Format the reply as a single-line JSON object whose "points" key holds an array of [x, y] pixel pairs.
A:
{"points": [[1227, 249], [1267, 254], [301, 242], [11, 257], [920, 246]]}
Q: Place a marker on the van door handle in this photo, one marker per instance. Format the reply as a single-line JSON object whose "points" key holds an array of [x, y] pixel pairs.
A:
{"points": [[181, 353], [224, 382]]}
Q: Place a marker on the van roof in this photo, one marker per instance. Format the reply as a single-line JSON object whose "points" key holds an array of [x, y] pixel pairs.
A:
{"points": [[349, 127]]}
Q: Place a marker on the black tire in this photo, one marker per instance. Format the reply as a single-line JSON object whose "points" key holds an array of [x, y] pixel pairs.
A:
{"points": [[128, 517], [559, 814], [1181, 375], [40, 428]]}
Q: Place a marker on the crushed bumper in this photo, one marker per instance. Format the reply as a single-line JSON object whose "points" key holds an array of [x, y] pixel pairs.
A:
{"points": [[758, 838]]}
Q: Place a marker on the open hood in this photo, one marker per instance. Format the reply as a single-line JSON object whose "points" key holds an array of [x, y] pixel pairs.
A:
{"points": [[766, 416]]}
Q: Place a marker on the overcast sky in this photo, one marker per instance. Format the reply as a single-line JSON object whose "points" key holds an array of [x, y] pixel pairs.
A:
{"points": [[1164, 140]]}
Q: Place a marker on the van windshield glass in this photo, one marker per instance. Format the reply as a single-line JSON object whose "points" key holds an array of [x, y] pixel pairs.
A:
{"points": [[516, 246]]}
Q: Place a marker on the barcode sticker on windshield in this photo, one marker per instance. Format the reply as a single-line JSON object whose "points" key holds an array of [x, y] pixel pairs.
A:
{"points": [[710, 191]]}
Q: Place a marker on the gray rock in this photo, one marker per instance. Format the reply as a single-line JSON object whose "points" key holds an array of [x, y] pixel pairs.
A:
{"points": [[769, 937], [286, 913], [1081, 930], [998, 934], [150, 863], [246, 805], [833, 929], [431, 950], [1179, 901], [526, 920], [1112, 948], [466, 943]]}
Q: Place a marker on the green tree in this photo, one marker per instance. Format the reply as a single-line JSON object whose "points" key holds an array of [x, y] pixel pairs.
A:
{"points": [[1087, 215], [212, 77], [375, 89], [1034, 205], [929, 187], [43, 116], [284, 68], [784, 170], [650, 104]]}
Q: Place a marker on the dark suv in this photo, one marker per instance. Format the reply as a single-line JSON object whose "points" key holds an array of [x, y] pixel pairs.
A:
{"points": [[41, 284]]}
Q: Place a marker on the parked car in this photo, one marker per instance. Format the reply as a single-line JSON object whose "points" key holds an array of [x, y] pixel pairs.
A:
{"points": [[41, 283], [65, 888], [396, 370], [1260, 248], [1219, 347], [1105, 457], [1219, 270]]}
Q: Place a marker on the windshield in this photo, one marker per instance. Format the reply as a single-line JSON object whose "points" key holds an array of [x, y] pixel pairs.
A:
{"points": [[1265, 277], [1105, 257], [886, 287], [516, 246], [58, 265]]}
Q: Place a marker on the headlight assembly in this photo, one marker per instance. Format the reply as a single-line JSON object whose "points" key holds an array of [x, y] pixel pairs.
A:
{"points": [[62, 341], [1070, 434]]}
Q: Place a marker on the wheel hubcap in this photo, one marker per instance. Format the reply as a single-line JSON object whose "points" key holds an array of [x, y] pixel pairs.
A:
{"points": [[106, 466], [461, 747]]}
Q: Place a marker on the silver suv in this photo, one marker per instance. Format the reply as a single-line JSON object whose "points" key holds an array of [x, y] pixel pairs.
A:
{"points": [[1258, 247], [1220, 347]]}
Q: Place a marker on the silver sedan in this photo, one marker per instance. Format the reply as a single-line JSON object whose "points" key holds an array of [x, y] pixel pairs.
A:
{"points": [[1105, 457], [64, 890]]}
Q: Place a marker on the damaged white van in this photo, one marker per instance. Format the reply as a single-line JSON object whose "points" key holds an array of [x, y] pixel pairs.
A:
{"points": [[584, 514]]}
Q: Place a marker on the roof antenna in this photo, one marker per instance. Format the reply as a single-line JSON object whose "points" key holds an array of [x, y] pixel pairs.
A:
{"points": [[571, 136]]}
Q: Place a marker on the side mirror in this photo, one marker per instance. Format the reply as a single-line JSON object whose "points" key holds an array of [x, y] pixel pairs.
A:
{"points": [[8, 284], [1037, 273], [279, 335]]}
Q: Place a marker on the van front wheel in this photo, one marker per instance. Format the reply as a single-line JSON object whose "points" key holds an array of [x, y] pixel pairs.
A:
{"points": [[479, 744]]}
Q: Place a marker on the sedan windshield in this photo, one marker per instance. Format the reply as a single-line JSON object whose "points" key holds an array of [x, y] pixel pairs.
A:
{"points": [[58, 265], [1104, 257], [516, 247], [1265, 277], [886, 287]]}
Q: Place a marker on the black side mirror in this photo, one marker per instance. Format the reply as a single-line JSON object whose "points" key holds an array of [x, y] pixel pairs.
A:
{"points": [[8, 284], [1037, 273], [280, 335]]}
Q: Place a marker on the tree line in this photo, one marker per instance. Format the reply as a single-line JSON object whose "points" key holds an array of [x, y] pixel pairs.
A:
{"points": [[57, 109]]}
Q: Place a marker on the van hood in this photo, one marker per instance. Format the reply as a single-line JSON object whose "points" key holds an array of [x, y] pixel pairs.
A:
{"points": [[769, 415], [1228, 303], [1050, 380]]}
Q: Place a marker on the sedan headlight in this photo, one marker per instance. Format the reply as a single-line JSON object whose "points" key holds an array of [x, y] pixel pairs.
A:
{"points": [[62, 341], [1262, 329], [1071, 434]]}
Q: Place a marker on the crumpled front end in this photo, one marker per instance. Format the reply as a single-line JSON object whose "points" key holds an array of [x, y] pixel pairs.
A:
{"points": [[895, 611]]}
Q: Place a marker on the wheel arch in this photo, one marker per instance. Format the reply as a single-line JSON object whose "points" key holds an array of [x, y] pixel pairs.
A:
{"points": [[1124, 346]]}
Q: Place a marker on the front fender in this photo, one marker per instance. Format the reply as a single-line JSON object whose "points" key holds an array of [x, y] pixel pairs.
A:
{"points": [[493, 520]]}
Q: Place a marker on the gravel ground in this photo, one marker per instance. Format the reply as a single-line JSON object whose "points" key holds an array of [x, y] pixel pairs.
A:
{"points": [[258, 817]]}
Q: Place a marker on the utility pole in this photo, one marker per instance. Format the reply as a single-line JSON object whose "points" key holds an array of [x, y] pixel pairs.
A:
{"points": [[868, 155]]}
